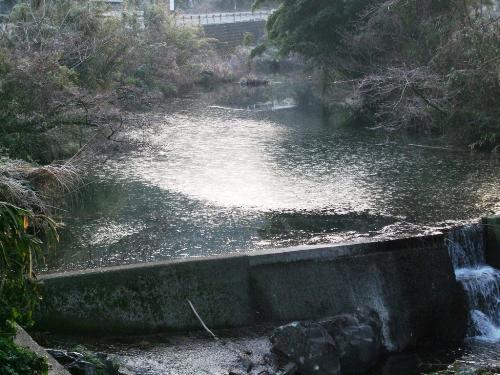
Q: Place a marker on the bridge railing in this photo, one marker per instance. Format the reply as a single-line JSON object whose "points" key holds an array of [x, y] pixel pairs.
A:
{"points": [[221, 18]]}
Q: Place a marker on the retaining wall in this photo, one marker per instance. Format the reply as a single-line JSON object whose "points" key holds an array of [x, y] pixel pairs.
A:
{"points": [[230, 35], [410, 282], [492, 238]]}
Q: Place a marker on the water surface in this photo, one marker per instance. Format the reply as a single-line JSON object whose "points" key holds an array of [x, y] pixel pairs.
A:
{"points": [[243, 169]]}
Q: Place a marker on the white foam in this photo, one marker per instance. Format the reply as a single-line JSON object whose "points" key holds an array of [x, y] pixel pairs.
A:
{"points": [[486, 330], [480, 281]]}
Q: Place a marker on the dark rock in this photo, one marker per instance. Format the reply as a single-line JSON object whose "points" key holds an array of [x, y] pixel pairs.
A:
{"points": [[309, 346], [254, 82], [290, 369], [81, 367], [358, 339], [77, 364], [407, 364], [64, 357]]}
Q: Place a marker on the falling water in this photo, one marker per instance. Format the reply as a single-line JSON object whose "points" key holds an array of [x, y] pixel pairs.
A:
{"points": [[480, 281]]}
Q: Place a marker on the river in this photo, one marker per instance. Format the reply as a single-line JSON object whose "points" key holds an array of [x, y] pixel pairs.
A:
{"points": [[240, 169]]}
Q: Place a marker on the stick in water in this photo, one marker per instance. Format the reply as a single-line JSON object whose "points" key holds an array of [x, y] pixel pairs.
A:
{"points": [[201, 320]]}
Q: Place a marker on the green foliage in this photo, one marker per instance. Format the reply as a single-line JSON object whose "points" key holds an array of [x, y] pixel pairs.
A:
{"points": [[103, 365], [425, 65], [165, 56], [312, 27], [258, 51], [24, 237], [18, 361], [248, 39]]}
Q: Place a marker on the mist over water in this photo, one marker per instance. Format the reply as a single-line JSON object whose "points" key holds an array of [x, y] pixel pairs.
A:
{"points": [[244, 169]]}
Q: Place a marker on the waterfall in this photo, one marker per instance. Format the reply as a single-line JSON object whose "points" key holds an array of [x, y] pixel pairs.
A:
{"points": [[480, 281]]}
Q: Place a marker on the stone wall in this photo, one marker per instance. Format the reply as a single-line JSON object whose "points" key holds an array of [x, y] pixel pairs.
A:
{"points": [[230, 35], [409, 282]]}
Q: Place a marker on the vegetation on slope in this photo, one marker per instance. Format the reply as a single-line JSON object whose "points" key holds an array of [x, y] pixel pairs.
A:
{"points": [[27, 233], [64, 66], [24, 237], [425, 65]]}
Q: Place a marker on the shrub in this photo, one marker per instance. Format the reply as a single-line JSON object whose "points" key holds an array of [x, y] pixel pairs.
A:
{"points": [[24, 236], [56, 56], [424, 65], [17, 361]]}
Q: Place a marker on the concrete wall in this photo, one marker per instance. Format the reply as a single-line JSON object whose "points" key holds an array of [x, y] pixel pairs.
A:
{"points": [[409, 282], [492, 238], [230, 35], [25, 341]]}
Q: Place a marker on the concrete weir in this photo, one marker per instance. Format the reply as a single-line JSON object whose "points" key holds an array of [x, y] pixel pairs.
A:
{"points": [[410, 282]]}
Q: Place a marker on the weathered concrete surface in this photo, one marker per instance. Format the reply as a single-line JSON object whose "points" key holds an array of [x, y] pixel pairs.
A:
{"points": [[492, 246], [24, 340], [410, 283], [149, 298]]}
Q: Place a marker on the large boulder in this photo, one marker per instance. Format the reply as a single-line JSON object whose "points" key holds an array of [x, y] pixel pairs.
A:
{"points": [[346, 344], [358, 339], [309, 346]]}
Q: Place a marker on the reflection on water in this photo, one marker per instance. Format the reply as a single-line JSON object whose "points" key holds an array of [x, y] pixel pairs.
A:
{"points": [[215, 180]]}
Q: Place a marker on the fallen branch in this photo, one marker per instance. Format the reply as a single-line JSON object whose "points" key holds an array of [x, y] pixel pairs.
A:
{"points": [[201, 320], [431, 147]]}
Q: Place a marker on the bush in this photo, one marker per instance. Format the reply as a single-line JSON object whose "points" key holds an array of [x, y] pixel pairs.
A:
{"points": [[56, 56], [24, 236], [423, 65], [21, 247], [17, 361]]}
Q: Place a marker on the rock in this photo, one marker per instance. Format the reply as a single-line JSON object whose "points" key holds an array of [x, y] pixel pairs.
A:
{"points": [[249, 81], [290, 369], [358, 339], [64, 357], [309, 346], [407, 364], [81, 367], [77, 364]]}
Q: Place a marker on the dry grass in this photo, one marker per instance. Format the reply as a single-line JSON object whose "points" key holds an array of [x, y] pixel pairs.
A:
{"points": [[35, 188]]}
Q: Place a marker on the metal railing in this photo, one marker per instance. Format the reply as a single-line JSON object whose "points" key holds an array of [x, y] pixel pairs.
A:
{"points": [[221, 18]]}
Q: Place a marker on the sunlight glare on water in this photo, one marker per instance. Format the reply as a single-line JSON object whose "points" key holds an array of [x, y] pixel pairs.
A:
{"points": [[233, 164]]}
